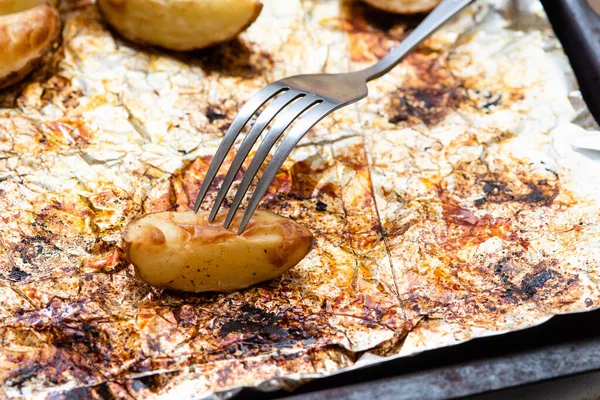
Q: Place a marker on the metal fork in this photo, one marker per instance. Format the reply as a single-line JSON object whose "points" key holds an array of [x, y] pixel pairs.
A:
{"points": [[310, 97]]}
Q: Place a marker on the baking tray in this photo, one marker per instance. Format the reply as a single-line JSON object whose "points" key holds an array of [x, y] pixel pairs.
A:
{"points": [[567, 345], [578, 28], [564, 347]]}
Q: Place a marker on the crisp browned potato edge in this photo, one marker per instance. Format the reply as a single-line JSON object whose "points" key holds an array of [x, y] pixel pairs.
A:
{"points": [[25, 38]]}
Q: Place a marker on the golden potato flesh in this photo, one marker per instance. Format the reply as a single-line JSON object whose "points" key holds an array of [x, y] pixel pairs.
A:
{"points": [[25, 37], [183, 251], [14, 6], [180, 24], [404, 6]]}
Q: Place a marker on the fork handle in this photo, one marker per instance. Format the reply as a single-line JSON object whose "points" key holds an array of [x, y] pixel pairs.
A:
{"points": [[442, 13]]}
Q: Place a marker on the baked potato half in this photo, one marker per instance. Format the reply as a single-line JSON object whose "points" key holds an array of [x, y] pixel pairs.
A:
{"points": [[183, 251], [25, 37], [180, 24], [404, 6]]}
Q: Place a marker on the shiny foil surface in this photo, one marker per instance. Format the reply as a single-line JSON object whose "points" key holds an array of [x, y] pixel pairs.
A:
{"points": [[461, 199]]}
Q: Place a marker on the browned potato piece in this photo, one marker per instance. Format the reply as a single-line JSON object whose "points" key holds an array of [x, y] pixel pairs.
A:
{"points": [[25, 37], [404, 6], [180, 24], [183, 251], [14, 6]]}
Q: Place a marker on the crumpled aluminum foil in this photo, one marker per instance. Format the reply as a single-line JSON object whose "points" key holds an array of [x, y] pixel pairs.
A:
{"points": [[459, 200]]}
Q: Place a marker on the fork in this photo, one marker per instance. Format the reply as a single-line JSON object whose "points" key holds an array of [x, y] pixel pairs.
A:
{"points": [[302, 100]]}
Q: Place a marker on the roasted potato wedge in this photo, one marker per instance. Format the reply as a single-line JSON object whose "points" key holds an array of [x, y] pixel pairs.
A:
{"points": [[25, 37], [404, 6], [183, 251], [180, 24], [15, 6]]}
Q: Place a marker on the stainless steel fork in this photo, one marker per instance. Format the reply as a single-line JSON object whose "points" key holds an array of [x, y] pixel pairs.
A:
{"points": [[310, 97]]}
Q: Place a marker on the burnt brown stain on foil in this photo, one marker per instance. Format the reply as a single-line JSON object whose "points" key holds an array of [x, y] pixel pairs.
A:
{"points": [[373, 33], [186, 182], [16, 274], [300, 181], [427, 105], [532, 191], [260, 327], [479, 203], [529, 286], [237, 58], [220, 115], [433, 91], [518, 190]]}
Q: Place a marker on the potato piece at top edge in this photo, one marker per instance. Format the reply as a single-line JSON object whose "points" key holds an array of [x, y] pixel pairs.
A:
{"points": [[180, 24], [404, 6], [183, 251], [14, 6], [25, 37]]}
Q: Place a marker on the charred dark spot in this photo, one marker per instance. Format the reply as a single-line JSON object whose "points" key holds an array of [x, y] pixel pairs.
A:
{"points": [[492, 101], [479, 202], [57, 370], [254, 320], [103, 391], [540, 193], [31, 247], [525, 191], [73, 394], [259, 330], [156, 382], [20, 376], [531, 283], [427, 105], [572, 280], [213, 114], [16, 274], [234, 58], [321, 206], [42, 239]]}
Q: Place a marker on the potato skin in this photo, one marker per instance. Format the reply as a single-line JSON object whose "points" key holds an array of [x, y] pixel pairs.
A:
{"points": [[25, 37], [183, 251], [404, 6], [180, 24], [14, 6]]}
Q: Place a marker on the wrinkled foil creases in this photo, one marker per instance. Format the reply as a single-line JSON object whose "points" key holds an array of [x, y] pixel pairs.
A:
{"points": [[459, 200]]}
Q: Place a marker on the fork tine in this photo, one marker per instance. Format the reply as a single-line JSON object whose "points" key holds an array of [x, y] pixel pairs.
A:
{"points": [[281, 123], [242, 117], [305, 122], [261, 122]]}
